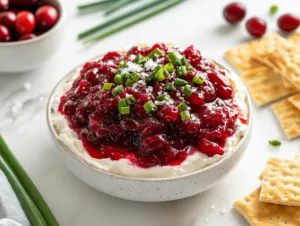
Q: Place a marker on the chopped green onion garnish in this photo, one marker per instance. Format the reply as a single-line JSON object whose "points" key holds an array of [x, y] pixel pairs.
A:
{"points": [[179, 82], [160, 98], [185, 115], [187, 90], [140, 59], [275, 143], [273, 9], [150, 106], [124, 110], [181, 71], [125, 77], [130, 100], [155, 53], [129, 82], [172, 57], [150, 78], [163, 98], [122, 103], [167, 98], [183, 61], [189, 67], [169, 87], [166, 73], [135, 76], [169, 67], [107, 86], [117, 90], [159, 75], [118, 79], [122, 64], [197, 80], [182, 107]]}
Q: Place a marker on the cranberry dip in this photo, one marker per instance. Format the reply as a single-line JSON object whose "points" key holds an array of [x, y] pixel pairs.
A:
{"points": [[150, 112]]}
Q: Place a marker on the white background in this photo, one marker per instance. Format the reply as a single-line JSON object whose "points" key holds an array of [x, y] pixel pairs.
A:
{"points": [[197, 22]]}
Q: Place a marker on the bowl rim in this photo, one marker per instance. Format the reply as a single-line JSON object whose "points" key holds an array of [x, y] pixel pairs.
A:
{"points": [[58, 24], [144, 179]]}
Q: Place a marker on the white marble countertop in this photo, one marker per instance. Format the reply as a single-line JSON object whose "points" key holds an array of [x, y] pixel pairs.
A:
{"points": [[197, 22]]}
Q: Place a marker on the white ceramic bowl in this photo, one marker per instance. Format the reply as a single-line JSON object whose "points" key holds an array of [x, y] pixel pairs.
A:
{"points": [[147, 189], [25, 55]]}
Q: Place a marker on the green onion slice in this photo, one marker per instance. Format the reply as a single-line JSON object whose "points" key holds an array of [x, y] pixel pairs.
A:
{"points": [[124, 110], [117, 90], [197, 80], [123, 64], [187, 90], [130, 100], [169, 87], [118, 79], [181, 71], [183, 61], [182, 107], [169, 67], [107, 86], [179, 82], [173, 58], [135, 76], [150, 106], [155, 53], [140, 59], [185, 115], [275, 143]]}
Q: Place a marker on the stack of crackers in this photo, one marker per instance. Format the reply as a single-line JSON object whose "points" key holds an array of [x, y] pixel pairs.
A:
{"points": [[277, 201], [270, 68]]}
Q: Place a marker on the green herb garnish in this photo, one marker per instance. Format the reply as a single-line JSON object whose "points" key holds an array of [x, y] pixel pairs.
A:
{"points": [[273, 9], [275, 143]]}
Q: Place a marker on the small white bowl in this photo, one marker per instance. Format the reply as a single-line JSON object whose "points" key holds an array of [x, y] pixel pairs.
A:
{"points": [[25, 55], [147, 189]]}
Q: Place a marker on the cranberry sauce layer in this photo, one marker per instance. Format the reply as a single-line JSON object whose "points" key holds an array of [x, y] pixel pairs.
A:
{"points": [[152, 106]]}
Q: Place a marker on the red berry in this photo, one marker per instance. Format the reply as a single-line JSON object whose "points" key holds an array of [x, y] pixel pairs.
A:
{"points": [[46, 17], [234, 12], [288, 22], [25, 22], [196, 99], [4, 34], [256, 26], [8, 19], [3, 5], [27, 36]]}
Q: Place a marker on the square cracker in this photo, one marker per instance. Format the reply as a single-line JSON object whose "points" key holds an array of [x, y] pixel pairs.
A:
{"points": [[295, 100], [266, 214], [261, 176], [284, 57], [265, 85], [281, 183], [289, 118], [241, 56]]}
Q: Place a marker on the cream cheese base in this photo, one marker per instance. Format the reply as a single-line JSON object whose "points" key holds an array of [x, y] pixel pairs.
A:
{"points": [[124, 167]]}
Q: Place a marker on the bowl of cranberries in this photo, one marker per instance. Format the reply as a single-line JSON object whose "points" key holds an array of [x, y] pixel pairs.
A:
{"points": [[152, 123], [30, 33]]}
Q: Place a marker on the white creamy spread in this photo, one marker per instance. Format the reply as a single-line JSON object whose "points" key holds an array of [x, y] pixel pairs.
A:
{"points": [[124, 167]]}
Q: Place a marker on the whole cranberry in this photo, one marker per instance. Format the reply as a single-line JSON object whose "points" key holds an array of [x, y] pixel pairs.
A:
{"points": [[256, 26], [234, 12], [27, 36], [3, 5], [4, 34], [46, 17], [288, 22], [8, 19], [25, 22]]}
